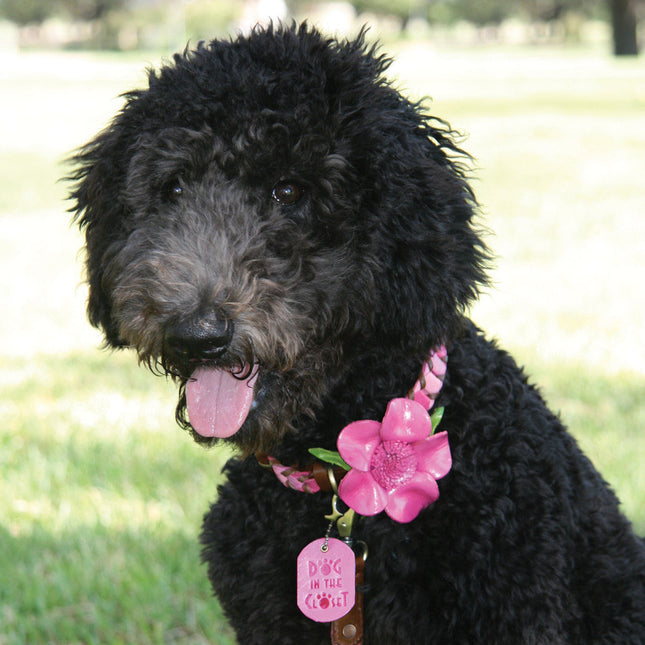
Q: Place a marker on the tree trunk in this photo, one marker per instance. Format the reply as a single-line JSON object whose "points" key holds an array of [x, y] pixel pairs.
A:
{"points": [[623, 22]]}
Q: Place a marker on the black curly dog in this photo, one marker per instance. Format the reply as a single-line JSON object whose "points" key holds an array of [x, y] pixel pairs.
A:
{"points": [[271, 223]]}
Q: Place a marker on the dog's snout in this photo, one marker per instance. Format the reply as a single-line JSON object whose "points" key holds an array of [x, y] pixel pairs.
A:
{"points": [[203, 336]]}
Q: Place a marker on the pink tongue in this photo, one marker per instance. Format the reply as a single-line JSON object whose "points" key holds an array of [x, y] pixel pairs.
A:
{"points": [[218, 403]]}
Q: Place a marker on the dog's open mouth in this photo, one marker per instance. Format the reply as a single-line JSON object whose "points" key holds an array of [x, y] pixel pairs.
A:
{"points": [[219, 400]]}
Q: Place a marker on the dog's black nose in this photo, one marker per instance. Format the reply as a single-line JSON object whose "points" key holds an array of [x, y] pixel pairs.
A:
{"points": [[203, 336]]}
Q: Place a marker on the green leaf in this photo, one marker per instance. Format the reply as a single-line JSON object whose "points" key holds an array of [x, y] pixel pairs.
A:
{"points": [[436, 417], [330, 456]]}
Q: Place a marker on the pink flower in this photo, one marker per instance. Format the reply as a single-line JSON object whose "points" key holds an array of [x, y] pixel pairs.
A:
{"points": [[395, 464]]}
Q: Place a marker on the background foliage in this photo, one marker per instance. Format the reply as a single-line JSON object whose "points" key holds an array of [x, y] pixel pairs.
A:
{"points": [[126, 24]]}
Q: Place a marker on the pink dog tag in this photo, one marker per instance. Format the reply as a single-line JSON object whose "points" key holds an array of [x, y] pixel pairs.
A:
{"points": [[326, 580]]}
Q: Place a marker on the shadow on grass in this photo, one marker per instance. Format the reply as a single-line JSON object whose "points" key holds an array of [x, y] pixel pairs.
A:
{"points": [[101, 508], [94, 585]]}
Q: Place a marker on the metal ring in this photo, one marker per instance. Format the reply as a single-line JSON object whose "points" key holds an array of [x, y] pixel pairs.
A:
{"points": [[332, 479], [365, 549]]}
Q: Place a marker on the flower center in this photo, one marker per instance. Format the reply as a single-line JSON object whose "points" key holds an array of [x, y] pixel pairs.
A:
{"points": [[393, 464]]}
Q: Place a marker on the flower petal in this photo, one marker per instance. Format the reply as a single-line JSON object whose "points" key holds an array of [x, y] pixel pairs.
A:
{"points": [[433, 455], [359, 491], [405, 420], [357, 442], [406, 502]]}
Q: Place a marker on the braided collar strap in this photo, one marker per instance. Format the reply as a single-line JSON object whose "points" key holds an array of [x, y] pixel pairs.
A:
{"points": [[303, 481], [313, 477]]}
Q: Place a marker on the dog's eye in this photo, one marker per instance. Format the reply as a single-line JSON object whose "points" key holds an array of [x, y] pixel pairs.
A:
{"points": [[286, 193], [172, 191]]}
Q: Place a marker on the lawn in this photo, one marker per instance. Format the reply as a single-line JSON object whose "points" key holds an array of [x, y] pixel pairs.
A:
{"points": [[102, 496]]}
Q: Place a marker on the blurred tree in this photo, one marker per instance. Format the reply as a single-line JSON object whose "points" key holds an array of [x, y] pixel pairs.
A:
{"points": [[89, 9], [401, 9], [25, 12], [548, 10], [623, 23], [484, 12], [493, 12]]}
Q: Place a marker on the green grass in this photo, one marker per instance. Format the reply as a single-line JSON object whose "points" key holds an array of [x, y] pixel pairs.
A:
{"points": [[607, 415], [98, 536], [102, 496]]}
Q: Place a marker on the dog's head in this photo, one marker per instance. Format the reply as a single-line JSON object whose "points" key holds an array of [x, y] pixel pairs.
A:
{"points": [[266, 211]]}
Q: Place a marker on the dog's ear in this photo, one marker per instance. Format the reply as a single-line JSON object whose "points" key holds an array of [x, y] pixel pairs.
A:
{"points": [[417, 208], [98, 178], [437, 259]]}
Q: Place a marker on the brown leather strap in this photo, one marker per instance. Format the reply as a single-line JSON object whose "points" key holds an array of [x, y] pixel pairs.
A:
{"points": [[321, 475], [348, 630]]}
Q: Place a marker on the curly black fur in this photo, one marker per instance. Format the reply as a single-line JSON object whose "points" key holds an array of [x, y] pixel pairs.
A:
{"points": [[337, 296]]}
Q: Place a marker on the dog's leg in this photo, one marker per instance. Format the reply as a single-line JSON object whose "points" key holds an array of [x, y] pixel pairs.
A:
{"points": [[253, 573]]}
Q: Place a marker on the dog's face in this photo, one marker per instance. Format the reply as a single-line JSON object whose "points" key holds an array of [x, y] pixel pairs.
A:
{"points": [[260, 215]]}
